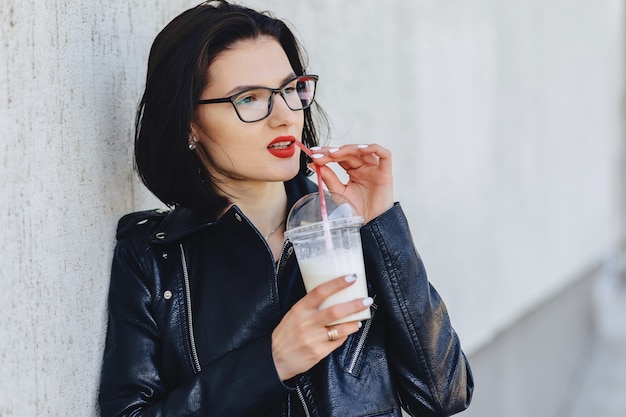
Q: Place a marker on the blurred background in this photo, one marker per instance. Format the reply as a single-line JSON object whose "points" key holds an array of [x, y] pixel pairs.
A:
{"points": [[506, 119]]}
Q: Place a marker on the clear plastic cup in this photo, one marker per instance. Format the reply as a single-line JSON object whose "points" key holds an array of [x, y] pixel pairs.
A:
{"points": [[329, 249]]}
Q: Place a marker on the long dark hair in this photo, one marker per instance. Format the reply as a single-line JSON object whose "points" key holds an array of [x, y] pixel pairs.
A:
{"points": [[177, 74]]}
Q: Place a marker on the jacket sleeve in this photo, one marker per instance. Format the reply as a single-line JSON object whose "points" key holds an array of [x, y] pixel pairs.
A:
{"points": [[431, 372], [133, 383]]}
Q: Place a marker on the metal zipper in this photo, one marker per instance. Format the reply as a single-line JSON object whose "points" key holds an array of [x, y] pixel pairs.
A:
{"points": [[281, 258], [301, 396], [192, 340], [361, 343]]}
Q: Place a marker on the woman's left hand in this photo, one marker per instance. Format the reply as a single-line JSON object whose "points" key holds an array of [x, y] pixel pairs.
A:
{"points": [[370, 181]]}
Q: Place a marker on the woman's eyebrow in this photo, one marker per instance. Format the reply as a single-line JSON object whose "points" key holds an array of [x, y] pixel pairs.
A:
{"points": [[241, 88]]}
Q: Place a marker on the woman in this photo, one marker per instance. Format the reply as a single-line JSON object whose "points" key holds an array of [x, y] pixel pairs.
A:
{"points": [[208, 315]]}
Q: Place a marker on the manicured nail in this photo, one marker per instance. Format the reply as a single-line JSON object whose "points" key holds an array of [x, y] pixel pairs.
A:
{"points": [[360, 325], [368, 301], [350, 278], [317, 156], [362, 146], [315, 148], [333, 150]]}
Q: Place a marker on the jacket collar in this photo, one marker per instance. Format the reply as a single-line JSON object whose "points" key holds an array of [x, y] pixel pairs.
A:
{"points": [[183, 221]]}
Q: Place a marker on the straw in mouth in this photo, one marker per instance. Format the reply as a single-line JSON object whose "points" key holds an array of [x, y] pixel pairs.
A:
{"points": [[304, 148]]}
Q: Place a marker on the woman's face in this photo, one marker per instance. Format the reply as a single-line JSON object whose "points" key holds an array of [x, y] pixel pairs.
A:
{"points": [[259, 151]]}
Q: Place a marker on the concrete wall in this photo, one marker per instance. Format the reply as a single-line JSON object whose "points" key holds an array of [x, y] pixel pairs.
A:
{"points": [[505, 118], [70, 77]]}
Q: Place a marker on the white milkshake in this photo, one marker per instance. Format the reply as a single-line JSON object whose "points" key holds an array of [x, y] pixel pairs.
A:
{"points": [[339, 262], [329, 247]]}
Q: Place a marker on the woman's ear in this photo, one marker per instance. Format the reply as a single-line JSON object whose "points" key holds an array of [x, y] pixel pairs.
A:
{"points": [[193, 129]]}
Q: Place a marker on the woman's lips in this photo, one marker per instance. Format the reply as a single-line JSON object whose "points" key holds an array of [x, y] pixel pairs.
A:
{"points": [[282, 147]]}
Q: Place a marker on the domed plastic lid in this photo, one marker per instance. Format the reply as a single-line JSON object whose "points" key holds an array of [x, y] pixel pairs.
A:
{"points": [[306, 214]]}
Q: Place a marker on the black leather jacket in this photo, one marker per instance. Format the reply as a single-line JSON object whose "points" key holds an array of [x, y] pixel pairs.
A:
{"points": [[162, 358]]}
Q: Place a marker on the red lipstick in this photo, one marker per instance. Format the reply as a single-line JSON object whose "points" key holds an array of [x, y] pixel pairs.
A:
{"points": [[282, 147]]}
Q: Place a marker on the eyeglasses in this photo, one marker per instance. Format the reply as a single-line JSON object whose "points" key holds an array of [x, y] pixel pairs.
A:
{"points": [[256, 103]]}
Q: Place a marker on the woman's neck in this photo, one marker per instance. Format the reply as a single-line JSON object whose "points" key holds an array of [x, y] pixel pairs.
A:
{"points": [[264, 203]]}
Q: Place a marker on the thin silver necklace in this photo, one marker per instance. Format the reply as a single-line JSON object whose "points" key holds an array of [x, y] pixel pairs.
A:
{"points": [[275, 229]]}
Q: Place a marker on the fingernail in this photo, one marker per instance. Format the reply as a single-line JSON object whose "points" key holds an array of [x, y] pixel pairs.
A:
{"points": [[360, 146], [317, 156], [315, 148], [333, 150], [360, 325], [368, 301], [350, 278]]}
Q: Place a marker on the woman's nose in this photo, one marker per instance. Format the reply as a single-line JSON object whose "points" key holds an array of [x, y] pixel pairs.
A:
{"points": [[281, 113]]}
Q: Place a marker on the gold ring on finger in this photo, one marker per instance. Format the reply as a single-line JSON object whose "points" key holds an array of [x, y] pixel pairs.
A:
{"points": [[333, 334]]}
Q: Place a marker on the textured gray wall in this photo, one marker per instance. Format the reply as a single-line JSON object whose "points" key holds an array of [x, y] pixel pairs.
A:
{"points": [[504, 118], [70, 76]]}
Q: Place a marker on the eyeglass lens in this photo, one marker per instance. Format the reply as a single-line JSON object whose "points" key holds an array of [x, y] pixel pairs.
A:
{"points": [[256, 104]]}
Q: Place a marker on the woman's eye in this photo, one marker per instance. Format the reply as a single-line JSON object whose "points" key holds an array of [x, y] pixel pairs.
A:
{"points": [[246, 99]]}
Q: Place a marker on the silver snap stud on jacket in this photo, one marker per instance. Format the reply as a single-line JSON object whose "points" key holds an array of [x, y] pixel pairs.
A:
{"points": [[167, 294]]}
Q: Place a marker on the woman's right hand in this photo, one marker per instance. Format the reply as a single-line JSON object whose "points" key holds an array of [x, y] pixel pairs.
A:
{"points": [[301, 339]]}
